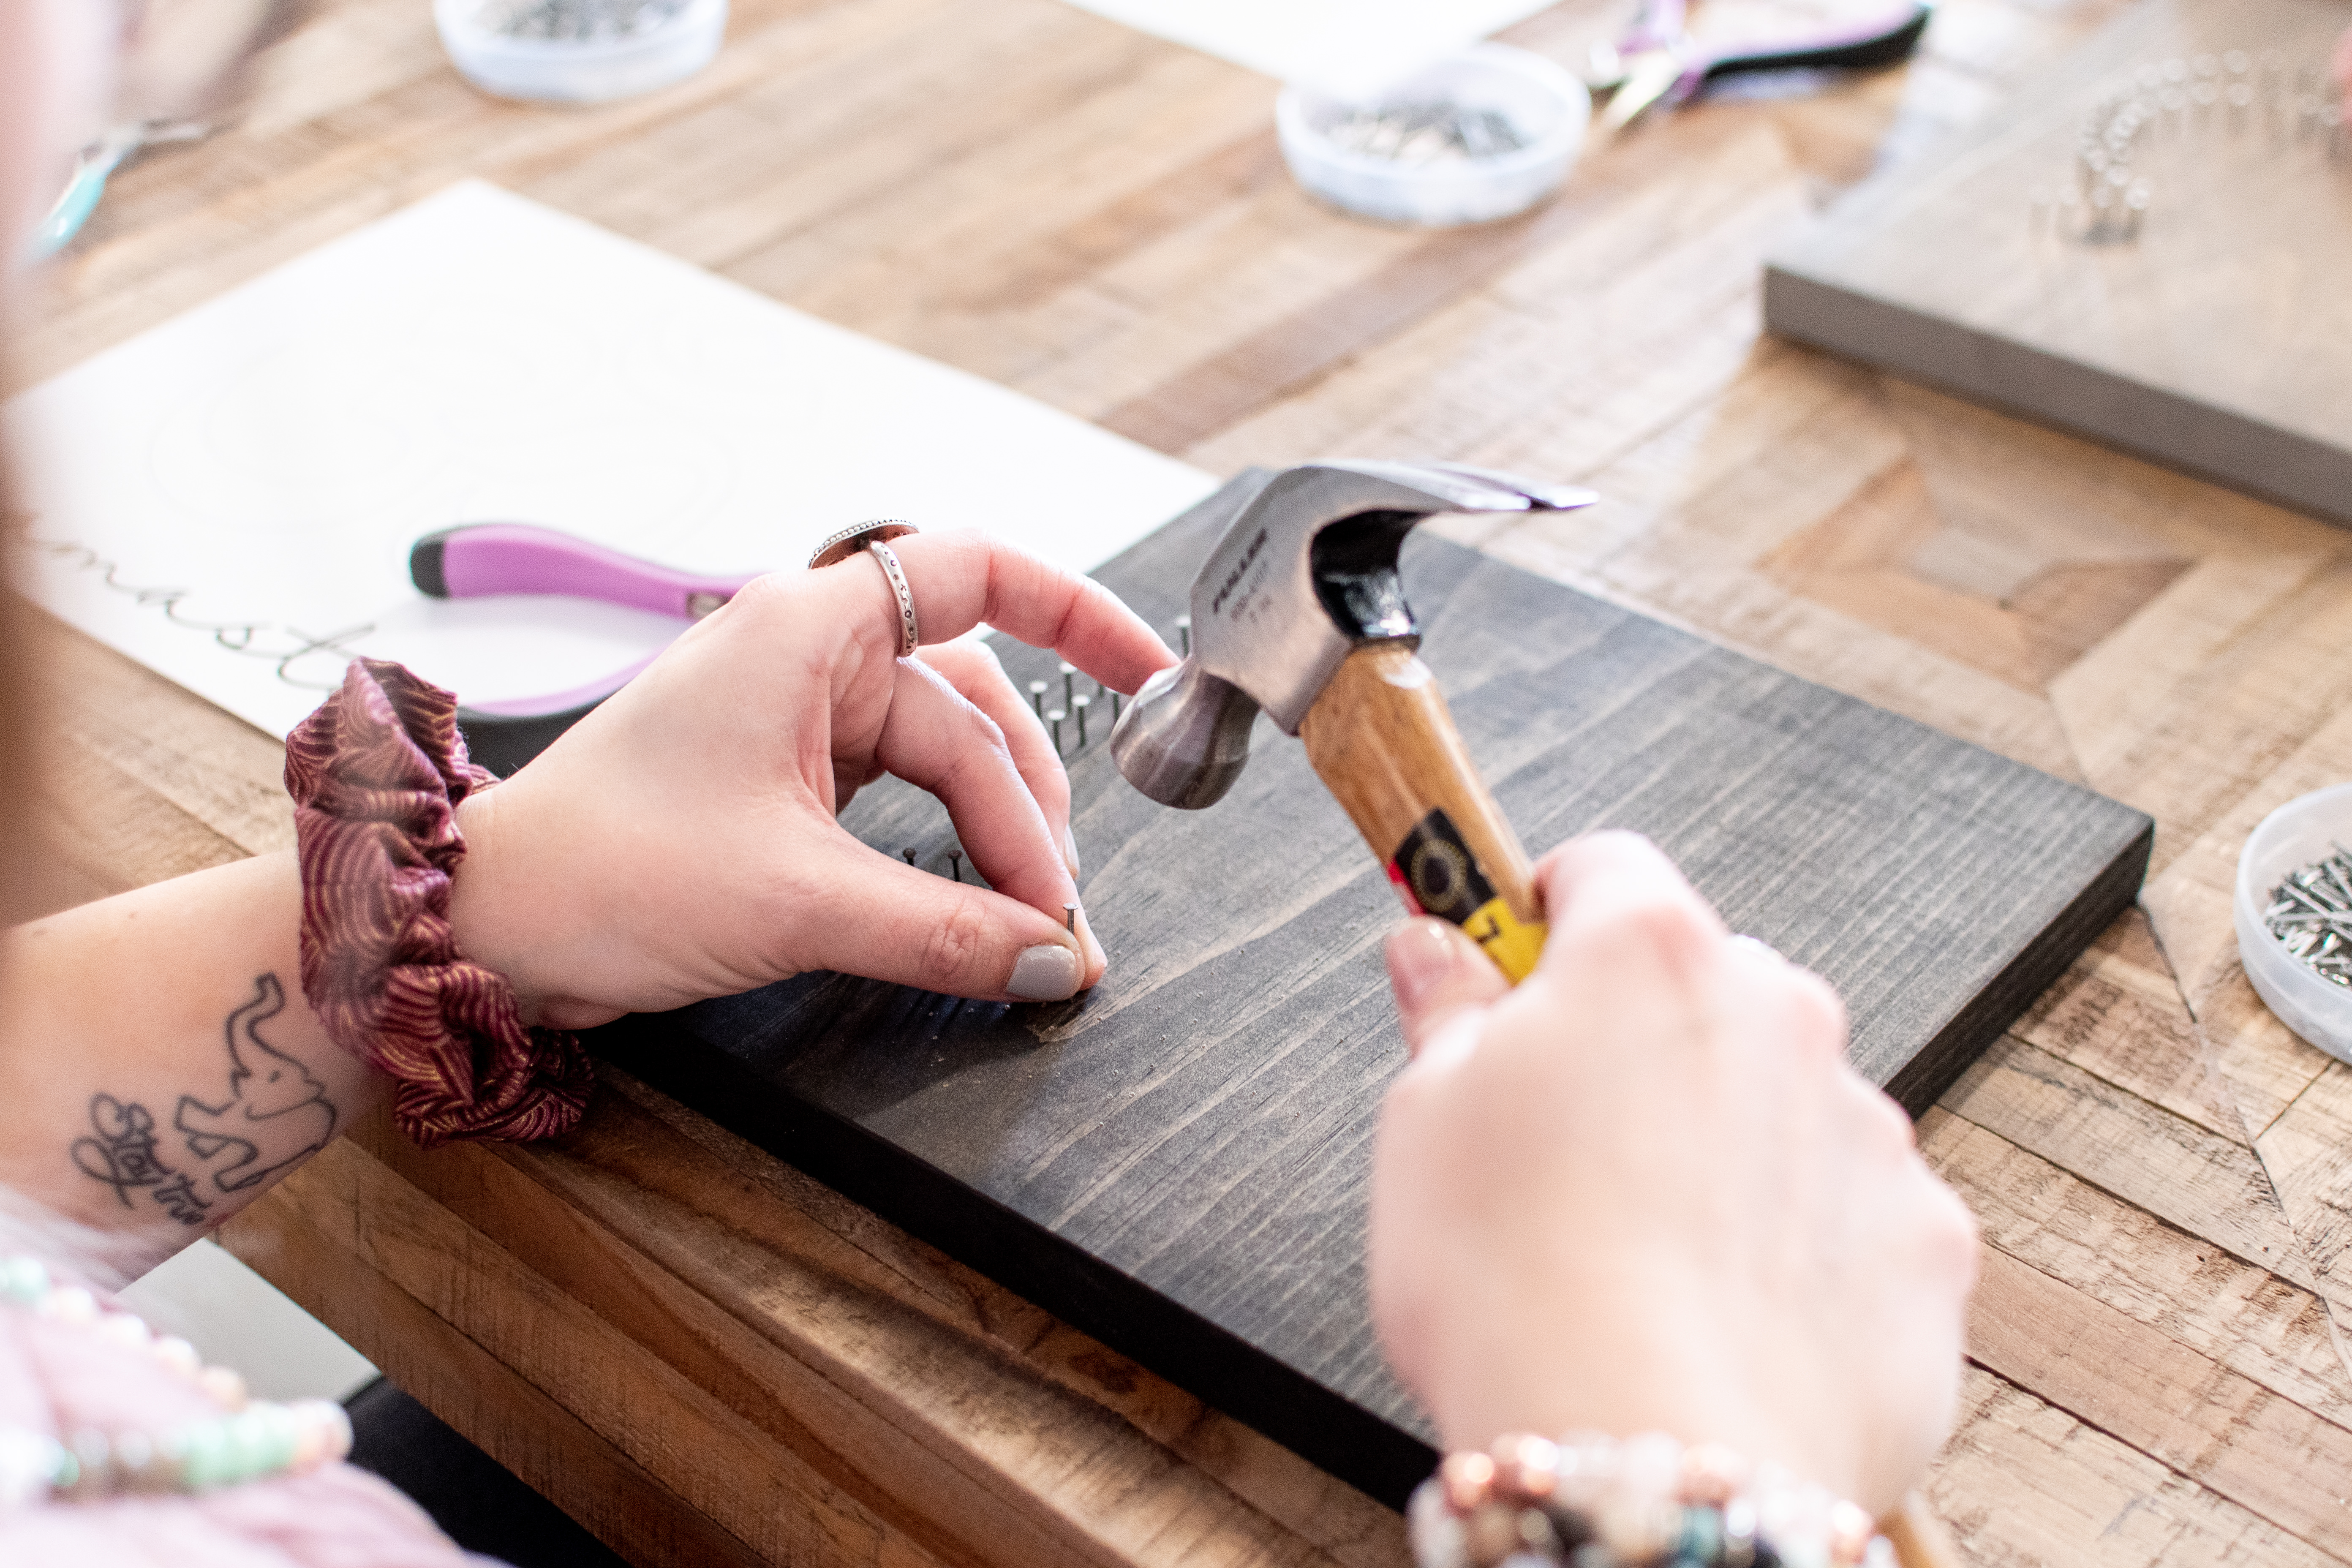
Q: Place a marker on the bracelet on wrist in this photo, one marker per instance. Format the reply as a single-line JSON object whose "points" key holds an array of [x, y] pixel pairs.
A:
{"points": [[1594, 1501]]}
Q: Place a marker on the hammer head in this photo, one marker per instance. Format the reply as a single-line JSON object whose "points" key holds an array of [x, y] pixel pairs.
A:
{"points": [[1305, 573]]}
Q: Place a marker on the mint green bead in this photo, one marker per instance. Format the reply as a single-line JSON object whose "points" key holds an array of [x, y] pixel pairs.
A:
{"points": [[266, 1440], [24, 1279], [285, 1436], [204, 1457], [246, 1441]]}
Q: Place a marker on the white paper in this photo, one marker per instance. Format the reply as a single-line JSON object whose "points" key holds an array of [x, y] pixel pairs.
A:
{"points": [[1344, 46], [231, 497]]}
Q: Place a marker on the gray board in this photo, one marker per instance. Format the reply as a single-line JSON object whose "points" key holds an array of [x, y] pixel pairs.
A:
{"points": [[2219, 342], [1176, 1162]]}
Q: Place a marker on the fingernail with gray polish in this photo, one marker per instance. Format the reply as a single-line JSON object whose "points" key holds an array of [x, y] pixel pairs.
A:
{"points": [[1047, 972]]}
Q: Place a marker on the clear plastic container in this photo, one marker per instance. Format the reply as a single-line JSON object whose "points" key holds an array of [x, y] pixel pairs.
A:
{"points": [[1548, 108], [2296, 834], [577, 70]]}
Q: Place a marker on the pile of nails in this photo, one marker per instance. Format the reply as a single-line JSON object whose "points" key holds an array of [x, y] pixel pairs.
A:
{"points": [[2311, 914], [2170, 100], [1420, 133], [578, 21]]}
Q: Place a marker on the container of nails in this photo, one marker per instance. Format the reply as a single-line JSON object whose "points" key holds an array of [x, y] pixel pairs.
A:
{"points": [[1481, 135], [578, 51], [2293, 914]]}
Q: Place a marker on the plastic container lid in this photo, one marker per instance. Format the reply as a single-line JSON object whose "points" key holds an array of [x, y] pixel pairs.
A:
{"points": [[2296, 834], [576, 70], [1546, 106]]}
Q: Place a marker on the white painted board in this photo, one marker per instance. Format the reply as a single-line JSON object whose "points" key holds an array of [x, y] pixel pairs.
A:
{"points": [[230, 497]]}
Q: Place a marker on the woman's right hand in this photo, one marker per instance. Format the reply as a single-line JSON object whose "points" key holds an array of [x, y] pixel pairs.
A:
{"points": [[1645, 1191]]}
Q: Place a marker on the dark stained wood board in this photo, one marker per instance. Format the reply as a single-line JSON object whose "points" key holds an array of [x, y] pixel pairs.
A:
{"points": [[1176, 1162], [2219, 342]]}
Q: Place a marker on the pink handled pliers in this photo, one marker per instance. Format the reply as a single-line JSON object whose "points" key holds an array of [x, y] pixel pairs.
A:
{"points": [[1658, 62], [483, 558]]}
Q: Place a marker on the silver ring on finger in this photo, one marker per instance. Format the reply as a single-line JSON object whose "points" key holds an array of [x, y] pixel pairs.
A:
{"points": [[873, 539]]}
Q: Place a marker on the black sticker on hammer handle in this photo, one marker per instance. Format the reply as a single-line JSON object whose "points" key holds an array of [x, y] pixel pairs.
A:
{"points": [[1435, 871]]}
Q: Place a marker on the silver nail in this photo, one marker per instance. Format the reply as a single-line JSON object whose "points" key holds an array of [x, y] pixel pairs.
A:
{"points": [[1079, 705], [1037, 697], [955, 864], [1054, 717]]}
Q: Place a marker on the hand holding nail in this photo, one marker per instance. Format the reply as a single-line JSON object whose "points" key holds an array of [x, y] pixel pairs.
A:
{"points": [[682, 843]]}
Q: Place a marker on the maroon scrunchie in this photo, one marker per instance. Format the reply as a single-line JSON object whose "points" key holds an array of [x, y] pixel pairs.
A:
{"points": [[376, 774]]}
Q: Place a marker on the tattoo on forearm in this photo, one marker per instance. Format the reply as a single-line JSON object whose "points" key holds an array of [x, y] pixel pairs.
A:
{"points": [[123, 1156], [275, 1114]]}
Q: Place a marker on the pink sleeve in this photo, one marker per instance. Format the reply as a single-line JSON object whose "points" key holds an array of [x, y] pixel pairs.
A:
{"points": [[56, 1378]]}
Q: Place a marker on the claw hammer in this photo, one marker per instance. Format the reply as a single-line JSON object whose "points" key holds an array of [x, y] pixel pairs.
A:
{"points": [[1298, 613]]}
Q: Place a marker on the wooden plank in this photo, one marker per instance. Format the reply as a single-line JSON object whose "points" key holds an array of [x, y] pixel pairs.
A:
{"points": [[1712, 496], [2245, 1318], [516, 1423], [1004, 1439], [2270, 1456], [2023, 1483], [2118, 1014], [230, 777], [2213, 1186], [721, 1467], [2309, 1152]]}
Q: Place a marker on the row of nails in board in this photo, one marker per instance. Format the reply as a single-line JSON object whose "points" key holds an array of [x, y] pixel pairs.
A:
{"points": [[1076, 721], [1067, 721]]}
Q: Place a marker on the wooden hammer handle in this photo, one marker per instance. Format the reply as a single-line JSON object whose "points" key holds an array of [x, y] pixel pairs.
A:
{"points": [[1383, 740]]}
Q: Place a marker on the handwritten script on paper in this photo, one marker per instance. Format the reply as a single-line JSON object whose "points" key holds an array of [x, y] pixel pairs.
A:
{"points": [[230, 497]]}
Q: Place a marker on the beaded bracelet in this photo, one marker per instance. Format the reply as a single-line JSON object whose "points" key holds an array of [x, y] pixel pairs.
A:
{"points": [[251, 1439], [1596, 1503], [376, 774]]}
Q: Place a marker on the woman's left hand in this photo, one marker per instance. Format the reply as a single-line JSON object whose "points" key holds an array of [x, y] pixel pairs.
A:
{"points": [[680, 841]]}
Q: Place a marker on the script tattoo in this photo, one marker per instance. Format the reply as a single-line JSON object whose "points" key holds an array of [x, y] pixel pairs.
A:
{"points": [[276, 1114], [123, 1155]]}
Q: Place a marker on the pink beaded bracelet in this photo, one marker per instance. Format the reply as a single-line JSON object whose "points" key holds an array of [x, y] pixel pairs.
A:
{"points": [[376, 774]]}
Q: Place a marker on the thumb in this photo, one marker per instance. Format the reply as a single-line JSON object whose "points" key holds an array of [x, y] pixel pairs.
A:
{"points": [[890, 921], [1437, 972]]}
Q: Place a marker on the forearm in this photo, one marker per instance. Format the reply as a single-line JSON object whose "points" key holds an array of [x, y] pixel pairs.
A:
{"points": [[159, 1067]]}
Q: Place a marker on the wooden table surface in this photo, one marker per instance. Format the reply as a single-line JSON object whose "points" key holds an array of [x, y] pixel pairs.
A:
{"points": [[708, 1359]]}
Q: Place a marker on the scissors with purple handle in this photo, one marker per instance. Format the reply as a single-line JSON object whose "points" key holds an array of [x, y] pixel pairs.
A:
{"points": [[483, 558], [1657, 62]]}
